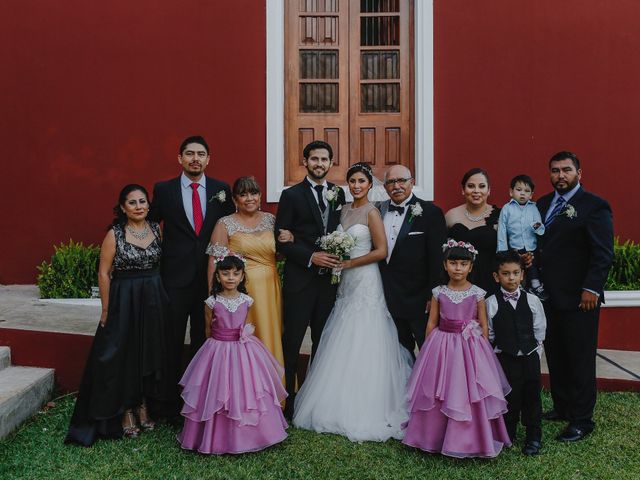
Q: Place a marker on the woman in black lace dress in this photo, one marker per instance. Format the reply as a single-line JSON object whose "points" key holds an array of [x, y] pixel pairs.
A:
{"points": [[476, 222], [125, 365]]}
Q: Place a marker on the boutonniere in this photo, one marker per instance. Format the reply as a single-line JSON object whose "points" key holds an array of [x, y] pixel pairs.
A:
{"points": [[569, 211], [332, 195], [416, 211], [221, 196]]}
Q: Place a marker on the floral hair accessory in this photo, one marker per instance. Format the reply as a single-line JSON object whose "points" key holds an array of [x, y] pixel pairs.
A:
{"points": [[220, 252], [360, 166], [451, 243]]}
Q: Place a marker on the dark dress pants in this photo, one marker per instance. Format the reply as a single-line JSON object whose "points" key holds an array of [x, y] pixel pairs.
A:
{"points": [[531, 273], [411, 331], [570, 346], [185, 303], [310, 306], [524, 401]]}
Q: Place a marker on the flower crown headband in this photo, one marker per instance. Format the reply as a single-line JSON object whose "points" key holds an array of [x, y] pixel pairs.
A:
{"points": [[220, 252], [451, 243]]}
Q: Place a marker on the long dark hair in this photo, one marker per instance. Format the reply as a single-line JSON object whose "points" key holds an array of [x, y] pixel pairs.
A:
{"points": [[119, 217], [229, 262]]}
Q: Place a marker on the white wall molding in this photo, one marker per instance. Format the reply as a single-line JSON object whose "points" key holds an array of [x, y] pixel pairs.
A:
{"points": [[275, 99], [620, 298], [424, 144]]}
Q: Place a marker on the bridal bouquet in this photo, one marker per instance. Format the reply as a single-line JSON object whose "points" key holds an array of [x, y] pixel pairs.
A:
{"points": [[339, 244]]}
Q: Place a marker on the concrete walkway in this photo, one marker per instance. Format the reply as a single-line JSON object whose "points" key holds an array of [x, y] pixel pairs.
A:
{"points": [[21, 308]]}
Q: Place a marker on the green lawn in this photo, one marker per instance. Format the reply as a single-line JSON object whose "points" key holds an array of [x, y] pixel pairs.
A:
{"points": [[36, 451]]}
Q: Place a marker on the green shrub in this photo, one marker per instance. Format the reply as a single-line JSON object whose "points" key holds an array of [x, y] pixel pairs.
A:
{"points": [[72, 272], [280, 267], [625, 271]]}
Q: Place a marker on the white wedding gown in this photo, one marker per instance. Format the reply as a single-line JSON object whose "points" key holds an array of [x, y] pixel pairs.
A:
{"points": [[356, 384]]}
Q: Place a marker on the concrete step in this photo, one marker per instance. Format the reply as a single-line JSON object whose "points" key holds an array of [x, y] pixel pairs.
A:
{"points": [[23, 390], [5, 357]]}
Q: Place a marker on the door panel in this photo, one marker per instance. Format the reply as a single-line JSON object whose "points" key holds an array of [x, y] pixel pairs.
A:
{"points": [[349, 83]]}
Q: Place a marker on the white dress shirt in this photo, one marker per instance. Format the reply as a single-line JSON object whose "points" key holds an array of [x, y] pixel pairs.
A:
{"points": [[187, 196], [539, 318], [392, 225]]}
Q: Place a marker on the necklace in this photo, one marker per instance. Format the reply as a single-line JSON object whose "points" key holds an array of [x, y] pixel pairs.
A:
{"points": [[476, 218], [139, 235]]}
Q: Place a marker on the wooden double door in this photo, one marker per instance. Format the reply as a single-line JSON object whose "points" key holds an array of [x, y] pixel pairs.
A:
{"points": [[349, 82]]}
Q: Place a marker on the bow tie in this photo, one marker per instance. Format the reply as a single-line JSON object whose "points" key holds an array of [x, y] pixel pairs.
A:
{"points": [[396, 208], [511, 296]]}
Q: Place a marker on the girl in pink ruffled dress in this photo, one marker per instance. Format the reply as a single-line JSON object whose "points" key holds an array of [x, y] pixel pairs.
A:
{"points": [[232, 387], [457, 388]]}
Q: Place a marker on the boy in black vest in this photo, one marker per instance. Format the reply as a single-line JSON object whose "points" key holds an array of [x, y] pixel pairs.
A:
{"points": [[517, 327]]}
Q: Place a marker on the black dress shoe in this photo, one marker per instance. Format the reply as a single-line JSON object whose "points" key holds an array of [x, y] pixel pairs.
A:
{"points": [[572, 434], [553, 416], [176, 421], [531, 447]]}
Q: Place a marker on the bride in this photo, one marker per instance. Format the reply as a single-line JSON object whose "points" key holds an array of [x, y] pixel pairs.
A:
{"points": [[357, 380]]}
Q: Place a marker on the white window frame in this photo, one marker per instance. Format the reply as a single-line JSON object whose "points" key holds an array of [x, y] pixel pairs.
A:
{"points": [[423, 66]]}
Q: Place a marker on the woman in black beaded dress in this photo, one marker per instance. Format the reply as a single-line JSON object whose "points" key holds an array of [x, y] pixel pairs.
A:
{"points": [[126, 363], [476, 222]]}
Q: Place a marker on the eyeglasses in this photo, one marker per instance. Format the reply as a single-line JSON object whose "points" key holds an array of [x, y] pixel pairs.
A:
{"points": [[391, 181]]}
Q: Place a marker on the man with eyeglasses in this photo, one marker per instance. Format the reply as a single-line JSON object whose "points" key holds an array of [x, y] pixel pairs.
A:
{"points": [[415, 232], [189, 207]]}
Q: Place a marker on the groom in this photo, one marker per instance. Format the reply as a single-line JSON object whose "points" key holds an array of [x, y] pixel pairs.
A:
{"points": [[308, 210], [415, 232]]}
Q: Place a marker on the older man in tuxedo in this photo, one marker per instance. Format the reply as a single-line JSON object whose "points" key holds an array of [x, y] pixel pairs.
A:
{"points": [[415, 232], [189, 206], [575, 255], [308, 296]]}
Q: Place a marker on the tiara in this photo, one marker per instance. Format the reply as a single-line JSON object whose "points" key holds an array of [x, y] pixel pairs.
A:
{"points": [[363, 166], [451, 243], [220, 252]]}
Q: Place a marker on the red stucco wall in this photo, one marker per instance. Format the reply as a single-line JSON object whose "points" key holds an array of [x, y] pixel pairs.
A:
{"points": [[96, 95]]}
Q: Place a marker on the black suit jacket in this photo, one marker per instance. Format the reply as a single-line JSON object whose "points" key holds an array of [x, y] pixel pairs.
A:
{"points": [[576, 253], [299, 213], [183, 252], [415, 265]]}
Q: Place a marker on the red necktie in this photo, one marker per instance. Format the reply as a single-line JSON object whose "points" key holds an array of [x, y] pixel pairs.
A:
{"points": [[197, 208]]}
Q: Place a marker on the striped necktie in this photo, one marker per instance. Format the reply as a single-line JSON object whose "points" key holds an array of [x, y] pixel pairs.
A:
{"points": [[556, 210]]}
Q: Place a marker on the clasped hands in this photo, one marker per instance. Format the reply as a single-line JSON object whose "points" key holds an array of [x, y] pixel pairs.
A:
{"points": [[328, 260]]}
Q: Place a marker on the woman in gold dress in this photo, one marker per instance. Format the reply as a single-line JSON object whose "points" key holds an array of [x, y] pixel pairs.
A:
{"points": [[249, 232]]}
